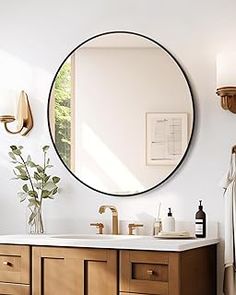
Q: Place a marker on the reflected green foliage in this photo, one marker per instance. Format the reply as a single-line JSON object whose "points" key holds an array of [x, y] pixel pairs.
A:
{"points": [[62, 94]]}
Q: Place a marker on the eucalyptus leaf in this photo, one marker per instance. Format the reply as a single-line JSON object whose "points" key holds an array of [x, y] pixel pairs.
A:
{"points": [[49, 166], [42, 175], [21, 170], [31, 164], [56, 179], [20, 166], [12, 155], [37, 176], [45, 148], [33, 202], [33, 194], [14, 171], [16, 152], [31, 218], [49, 186], [39, 168], [22, 196], [46, 193], [47, 178], [25, 188], [37, 185], [23, 177], [55, 191]]}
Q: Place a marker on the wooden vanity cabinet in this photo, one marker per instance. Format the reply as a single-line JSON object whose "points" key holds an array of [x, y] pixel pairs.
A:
{"points": [[168, 273], [70, 271], [36, 270]]}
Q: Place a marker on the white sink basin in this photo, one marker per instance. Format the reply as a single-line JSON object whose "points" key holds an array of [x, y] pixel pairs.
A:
{"points": [[95, 237]]}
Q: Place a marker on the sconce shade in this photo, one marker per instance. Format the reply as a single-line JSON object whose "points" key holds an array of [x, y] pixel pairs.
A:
{"points": [[226, 80], [226, 70]]}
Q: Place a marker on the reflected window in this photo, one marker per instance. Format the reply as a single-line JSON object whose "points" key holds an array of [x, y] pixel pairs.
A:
{"points": [[63, 112]]}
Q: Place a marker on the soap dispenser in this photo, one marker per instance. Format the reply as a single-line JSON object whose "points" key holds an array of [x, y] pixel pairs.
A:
{"points": [[200, 222], [169, 222]]}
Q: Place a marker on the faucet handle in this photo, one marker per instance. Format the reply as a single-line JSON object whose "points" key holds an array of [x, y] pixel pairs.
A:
{"points": [[132, 226], [99, 226]]}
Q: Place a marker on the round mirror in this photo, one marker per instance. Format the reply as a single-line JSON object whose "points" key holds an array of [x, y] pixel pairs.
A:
{"points": [[121, 113]]}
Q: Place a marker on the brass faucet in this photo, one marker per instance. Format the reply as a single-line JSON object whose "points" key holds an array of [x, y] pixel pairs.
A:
{"points": [[114, 217]]}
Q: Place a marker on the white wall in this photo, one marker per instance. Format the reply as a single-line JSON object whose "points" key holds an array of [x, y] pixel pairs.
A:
{"points": [[115, 88], [41, 33]]}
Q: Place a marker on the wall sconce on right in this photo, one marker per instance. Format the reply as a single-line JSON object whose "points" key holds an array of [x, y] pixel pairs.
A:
{"points": [[226, 80]]}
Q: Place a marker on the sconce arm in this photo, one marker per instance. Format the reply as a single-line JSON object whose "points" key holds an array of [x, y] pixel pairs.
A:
{"points": [[13, 132]]}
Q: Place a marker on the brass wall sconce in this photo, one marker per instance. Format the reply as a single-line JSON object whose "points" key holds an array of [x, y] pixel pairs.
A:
{"points": [[228, 98], [226, 80], [23, 117]]}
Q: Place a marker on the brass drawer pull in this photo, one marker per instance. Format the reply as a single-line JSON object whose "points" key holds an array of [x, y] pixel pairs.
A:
{"points": [[150, 272], [7, 263]]}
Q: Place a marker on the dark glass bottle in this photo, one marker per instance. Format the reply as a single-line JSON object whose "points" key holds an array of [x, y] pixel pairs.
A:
{"points": [[200, 222]]}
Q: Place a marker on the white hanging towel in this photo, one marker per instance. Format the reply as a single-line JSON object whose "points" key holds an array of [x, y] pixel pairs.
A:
{"points": [[229, 184]]}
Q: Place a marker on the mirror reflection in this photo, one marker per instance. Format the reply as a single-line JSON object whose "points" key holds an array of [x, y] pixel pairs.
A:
{"points": [[121, 113]]}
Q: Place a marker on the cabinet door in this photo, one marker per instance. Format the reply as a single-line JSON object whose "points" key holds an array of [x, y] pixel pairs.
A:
{"points": [[14, 289], [66, 271]]}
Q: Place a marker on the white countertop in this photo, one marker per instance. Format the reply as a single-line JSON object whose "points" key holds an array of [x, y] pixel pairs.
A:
{"points": [[109, 242]]}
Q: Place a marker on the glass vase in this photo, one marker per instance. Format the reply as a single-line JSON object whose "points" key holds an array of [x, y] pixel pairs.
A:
{"points": [[35, 222]]}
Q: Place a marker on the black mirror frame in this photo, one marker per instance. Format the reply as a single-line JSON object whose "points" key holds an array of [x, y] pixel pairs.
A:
{"points": [[193, 107]]}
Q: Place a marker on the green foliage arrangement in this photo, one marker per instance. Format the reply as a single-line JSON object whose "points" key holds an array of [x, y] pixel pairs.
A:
{"points": [[38, 184]]}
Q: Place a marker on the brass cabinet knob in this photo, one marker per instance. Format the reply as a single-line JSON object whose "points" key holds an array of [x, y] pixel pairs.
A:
{"points": [[99, 226], [150, 272], [7, 263]]}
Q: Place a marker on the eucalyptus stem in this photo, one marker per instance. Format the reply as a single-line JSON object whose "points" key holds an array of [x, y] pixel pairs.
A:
{"points": [[44, 168], [28, 174]]}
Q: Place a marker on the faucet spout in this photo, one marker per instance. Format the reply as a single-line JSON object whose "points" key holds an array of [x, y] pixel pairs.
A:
{"points": [[114, 211]]}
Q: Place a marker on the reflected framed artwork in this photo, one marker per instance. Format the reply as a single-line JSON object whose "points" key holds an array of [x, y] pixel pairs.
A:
{"points": [[166, 138]]}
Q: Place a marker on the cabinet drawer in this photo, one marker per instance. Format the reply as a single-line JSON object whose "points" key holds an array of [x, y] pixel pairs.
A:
{"points": [[144, 272], [14, 264], [150, 272], [14, 289]]}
